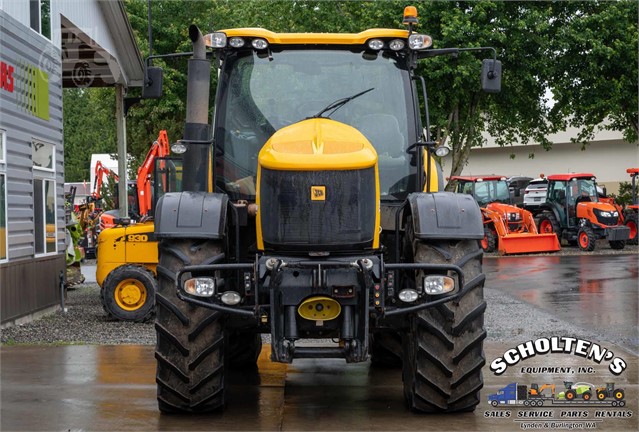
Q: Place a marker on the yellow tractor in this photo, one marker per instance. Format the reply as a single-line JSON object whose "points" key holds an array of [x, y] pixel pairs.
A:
{"points": [[311, 211]]}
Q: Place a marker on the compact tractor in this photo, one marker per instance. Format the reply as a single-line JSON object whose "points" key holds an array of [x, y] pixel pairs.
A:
{"points": [[310, 212], [507, 228], [573, 211]]}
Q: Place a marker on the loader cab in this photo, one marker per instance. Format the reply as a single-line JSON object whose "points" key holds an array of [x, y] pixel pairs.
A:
{"points": [[485, 189]]}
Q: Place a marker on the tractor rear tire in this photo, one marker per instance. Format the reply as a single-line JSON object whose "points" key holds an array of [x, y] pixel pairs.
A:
{"points": [[586, 239], [489, 242], [631, 222], [443, 348], [190, 340], [128, 293], [619, 394], [386, 349]]}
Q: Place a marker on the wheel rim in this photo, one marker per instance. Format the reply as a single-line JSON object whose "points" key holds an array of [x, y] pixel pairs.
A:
{"points": [[130, 294], [583, 239], [618, 395], [545, 226], [633, 229], [484, 242], [601, 396]]}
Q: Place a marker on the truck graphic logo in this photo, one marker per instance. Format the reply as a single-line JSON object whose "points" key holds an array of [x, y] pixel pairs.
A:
{"points": [[573, 394]]}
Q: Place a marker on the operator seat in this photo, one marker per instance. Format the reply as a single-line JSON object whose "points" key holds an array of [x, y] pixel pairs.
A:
{"points": [[382, 130]]}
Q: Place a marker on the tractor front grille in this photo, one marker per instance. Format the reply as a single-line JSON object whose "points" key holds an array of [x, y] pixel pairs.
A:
{"points": [[317, 210]]}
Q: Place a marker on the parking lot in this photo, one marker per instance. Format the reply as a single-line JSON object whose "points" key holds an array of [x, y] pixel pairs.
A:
{"points": [[111, 387]]}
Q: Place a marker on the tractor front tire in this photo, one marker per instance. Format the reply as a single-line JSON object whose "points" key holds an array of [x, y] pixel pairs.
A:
{"points": [[243, 349], [586, 239], [631, 222], [443, 347], [548, 223], [489, 242], [128, 293], [617, 244], [190, 340]]}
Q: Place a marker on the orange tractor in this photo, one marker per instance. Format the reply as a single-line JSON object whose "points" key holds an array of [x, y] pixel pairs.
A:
{"points": [[507, 228], [628, 216], [574, 212]]}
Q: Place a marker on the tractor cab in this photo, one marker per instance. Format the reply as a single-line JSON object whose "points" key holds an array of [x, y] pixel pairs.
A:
{"points": [[485, 189], [574, 211]]}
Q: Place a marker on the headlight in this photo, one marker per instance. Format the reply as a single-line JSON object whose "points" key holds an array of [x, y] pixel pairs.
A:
{"points": [[201, 286], [514, 216], [408, 295], [605, 214], [375, 44], [236, 42], [231, 298], [396, 44], [419, 41], [435, 284], [215, 40], [259, 44]]}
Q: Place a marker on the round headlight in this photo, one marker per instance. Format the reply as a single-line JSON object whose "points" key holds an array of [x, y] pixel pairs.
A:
{"points": [[236, 42], [375, 44], [397, 44], [259, 44], [442, 151], [178, 147], [231, 298]]}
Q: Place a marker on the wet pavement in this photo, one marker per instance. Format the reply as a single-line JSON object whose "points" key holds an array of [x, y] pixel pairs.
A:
{"points": [[105, 387], [596, 292]]}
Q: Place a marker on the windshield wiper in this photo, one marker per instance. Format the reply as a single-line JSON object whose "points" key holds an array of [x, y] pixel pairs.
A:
{"points": [[338, 104]]}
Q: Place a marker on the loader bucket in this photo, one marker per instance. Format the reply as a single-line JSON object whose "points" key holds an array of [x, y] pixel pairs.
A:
{"points": [[528, 243]]}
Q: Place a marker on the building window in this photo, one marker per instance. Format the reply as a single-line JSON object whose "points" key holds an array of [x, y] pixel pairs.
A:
{"points": [[3, 219], [43, 155], [44, 216], [40, 17]]}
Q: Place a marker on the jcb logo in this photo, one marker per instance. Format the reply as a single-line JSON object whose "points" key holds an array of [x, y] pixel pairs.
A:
{"points": [[137, 238], [318, 193]]}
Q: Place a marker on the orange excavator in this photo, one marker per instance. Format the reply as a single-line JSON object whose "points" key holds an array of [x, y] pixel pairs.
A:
{"points": [[140, 191], [538, 392], [508, 229]]}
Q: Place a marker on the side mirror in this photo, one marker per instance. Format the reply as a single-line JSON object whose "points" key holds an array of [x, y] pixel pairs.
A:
{"points": [[491, 76], [152, 83]]}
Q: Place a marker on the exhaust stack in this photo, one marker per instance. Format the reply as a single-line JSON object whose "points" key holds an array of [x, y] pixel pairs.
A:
{"points": [[197, 128]]}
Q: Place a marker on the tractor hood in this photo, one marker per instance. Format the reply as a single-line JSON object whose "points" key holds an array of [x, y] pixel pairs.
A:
{"points": [[600, 213], [317, 144]]}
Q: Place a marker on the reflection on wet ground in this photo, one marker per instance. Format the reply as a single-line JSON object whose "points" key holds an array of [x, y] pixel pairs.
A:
{"points": [[592, 291]]}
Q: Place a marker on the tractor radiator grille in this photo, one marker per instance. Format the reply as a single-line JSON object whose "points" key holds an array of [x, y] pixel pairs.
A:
{"points": [[317, 210]]}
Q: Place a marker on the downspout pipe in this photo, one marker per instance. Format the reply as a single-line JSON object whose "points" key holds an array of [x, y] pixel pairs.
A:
{"points": [[197, 158]]}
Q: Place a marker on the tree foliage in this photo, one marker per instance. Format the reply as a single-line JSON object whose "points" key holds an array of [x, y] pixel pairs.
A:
{"points": [[584, 54]]}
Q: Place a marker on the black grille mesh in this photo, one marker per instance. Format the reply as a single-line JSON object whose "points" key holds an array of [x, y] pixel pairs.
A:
{"points": [[291, 220]]}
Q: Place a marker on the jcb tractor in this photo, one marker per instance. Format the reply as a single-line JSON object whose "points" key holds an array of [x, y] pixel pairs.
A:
{"points": [[573, 211], [507, 228], [309, 212]]}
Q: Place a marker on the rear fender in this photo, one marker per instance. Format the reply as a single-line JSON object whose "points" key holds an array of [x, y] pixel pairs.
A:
{"points": [[446, 215], [191, 215]]}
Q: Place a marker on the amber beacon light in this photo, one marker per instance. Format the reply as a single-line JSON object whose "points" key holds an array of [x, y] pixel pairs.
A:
{"points": [[410, 15]]}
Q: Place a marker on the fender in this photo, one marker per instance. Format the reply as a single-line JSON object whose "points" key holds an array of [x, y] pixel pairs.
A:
{"points": [[446, 215], [191, 215]]}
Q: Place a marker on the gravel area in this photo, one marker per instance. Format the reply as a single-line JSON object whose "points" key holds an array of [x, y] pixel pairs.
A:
{"points": [[85, 321]]}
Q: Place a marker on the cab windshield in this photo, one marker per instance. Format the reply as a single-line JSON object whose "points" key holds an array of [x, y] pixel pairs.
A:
{"points": [[492, 191], [262, 93]]}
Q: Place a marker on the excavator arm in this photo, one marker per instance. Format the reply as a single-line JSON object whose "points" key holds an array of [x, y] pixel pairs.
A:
{"points": [[160, 148], [100, 172]]}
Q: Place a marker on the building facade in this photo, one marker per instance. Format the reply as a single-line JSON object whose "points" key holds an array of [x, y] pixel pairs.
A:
{"points": [[46, 46]]}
